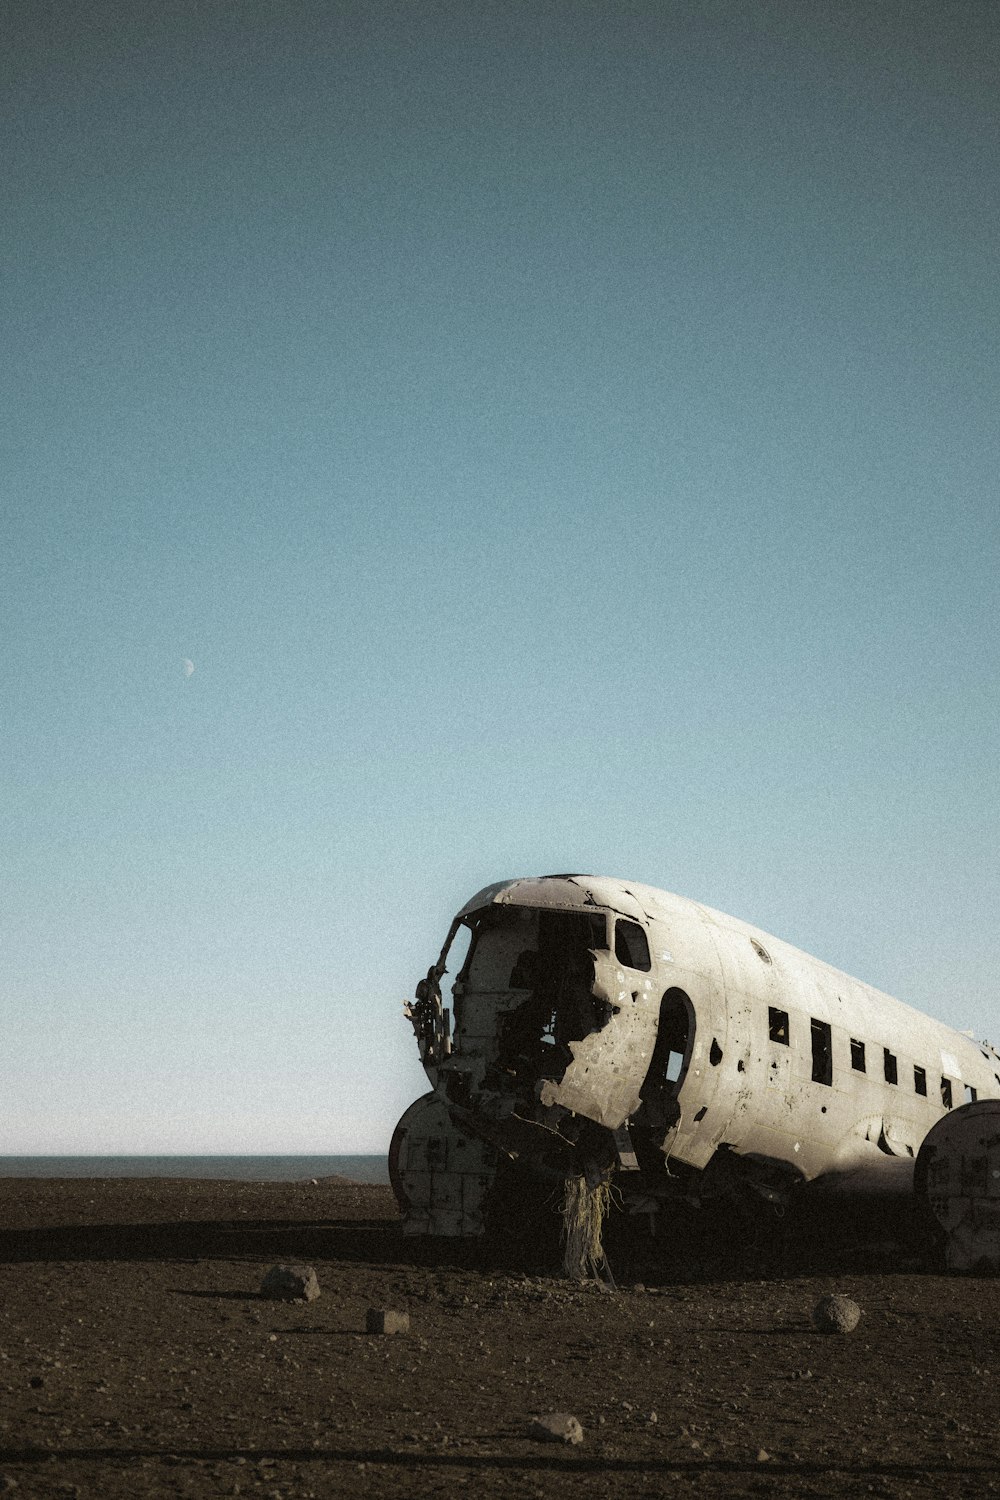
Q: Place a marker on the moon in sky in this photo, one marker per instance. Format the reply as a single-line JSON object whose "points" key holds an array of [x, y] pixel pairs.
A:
{"points": [[188, 667]]}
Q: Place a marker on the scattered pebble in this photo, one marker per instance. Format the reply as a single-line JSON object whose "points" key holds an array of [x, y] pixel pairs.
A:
{"points": [[384, 1320], [556, 1427], [836, 1314], [290, 1284]]}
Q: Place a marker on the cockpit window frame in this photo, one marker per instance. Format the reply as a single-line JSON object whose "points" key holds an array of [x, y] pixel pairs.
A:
{"points": [[631, 932]]}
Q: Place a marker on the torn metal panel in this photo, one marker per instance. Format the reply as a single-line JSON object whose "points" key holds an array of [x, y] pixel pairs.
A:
{"points": [[605, 1076], [431, 1021], [958, 1174], [440, 1175]]}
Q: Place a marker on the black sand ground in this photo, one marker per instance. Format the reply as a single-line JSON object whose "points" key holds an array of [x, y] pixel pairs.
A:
{"points": [[137, 1360]]}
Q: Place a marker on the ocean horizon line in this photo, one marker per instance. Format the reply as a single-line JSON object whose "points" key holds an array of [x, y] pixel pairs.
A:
{"points": [[368, 1167]]}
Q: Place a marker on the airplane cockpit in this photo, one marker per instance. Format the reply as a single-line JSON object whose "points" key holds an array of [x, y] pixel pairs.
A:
{"points": [[533, 985]]}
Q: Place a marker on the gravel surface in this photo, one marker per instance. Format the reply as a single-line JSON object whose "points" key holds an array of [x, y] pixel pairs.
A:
{"points": [[138, 1358]]}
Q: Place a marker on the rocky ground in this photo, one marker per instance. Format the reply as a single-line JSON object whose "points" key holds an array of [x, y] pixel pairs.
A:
{"points": [[138, 1359]]}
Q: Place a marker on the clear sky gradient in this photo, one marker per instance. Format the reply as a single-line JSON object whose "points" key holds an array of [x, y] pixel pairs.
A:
{"points": [[561, 436]]}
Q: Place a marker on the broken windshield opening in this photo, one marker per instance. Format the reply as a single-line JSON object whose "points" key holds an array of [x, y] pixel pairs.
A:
{"points": [[537, 968], [523, 948], [457, 949]]}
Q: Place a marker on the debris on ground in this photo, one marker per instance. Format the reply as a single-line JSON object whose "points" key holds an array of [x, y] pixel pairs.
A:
{"points": [[290, 1284], [836, 1314], [384, 1320], [137, 1301], [556, 1427]]}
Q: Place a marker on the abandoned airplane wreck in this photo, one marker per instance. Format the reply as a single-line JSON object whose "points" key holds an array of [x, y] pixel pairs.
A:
{"points": [[603, 1032]]}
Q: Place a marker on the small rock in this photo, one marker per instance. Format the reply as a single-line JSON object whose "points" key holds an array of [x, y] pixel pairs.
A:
{"points": [[763, 1457], [836, 1314], [384, 1320], [290, 1284], [556, 1427]]}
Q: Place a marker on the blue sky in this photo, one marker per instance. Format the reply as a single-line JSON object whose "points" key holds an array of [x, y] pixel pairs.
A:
{"points": [[562, 436]]}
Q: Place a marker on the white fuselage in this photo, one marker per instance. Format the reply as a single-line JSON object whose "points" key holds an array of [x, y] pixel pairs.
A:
{"points": [[772, 1056]]}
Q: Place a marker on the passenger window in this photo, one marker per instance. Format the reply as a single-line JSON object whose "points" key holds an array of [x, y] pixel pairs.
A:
{"points": [[777, 1025], [631, 948], [822, 1050], [920, 1080], [946, 1092], [857, 1055], [889, 1064]]}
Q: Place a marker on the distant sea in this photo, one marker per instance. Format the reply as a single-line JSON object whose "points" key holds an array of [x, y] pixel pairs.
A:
{"points": [[220, 1168]]}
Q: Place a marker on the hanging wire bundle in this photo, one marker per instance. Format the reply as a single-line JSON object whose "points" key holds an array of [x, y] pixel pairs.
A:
{"points": [[584, 1210]]}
